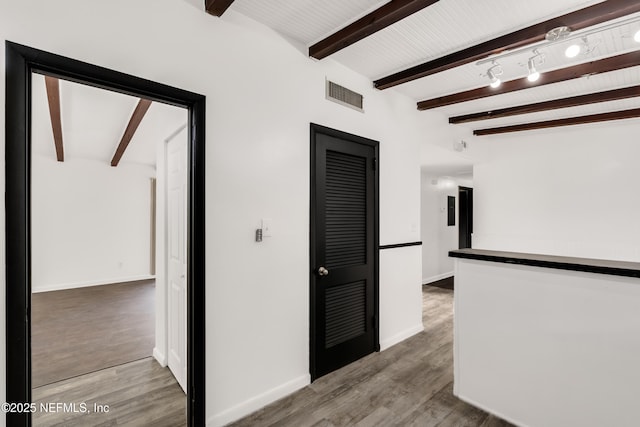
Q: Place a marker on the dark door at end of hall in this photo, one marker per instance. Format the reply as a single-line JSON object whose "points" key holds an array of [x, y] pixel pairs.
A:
{"points": [[465, 221], [344, 243]]}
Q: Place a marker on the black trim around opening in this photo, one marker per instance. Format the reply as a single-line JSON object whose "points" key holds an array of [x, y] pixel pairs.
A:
{"points": [[21, 61]]}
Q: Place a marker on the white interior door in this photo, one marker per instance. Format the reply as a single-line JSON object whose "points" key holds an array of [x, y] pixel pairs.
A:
{"points": [[177, 258]]}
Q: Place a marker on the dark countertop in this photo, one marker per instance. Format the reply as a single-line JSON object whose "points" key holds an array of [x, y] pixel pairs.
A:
{"points": [[589, 265]]}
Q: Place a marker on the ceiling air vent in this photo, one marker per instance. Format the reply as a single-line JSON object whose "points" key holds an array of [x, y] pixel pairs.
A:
{"points": [[344, 96]]}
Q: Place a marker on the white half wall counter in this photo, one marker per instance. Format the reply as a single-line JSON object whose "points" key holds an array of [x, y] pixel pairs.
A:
{"points": [[546, 340]]}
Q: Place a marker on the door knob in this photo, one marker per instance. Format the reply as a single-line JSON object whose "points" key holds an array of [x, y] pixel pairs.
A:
{"points": [[322, 271]]}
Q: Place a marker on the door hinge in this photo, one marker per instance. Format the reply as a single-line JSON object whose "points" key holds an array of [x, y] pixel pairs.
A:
{"points": [[374, 163]]}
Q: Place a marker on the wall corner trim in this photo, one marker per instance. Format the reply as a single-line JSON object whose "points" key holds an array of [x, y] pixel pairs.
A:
{"points": [[254, 403]]}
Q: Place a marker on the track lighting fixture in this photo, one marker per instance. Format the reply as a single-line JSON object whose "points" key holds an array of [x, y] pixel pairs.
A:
{"points": [[493, 73], [557, 40]]}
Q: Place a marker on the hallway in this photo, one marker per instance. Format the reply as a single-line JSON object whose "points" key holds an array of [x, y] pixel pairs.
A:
{"points": [[409, 384]]}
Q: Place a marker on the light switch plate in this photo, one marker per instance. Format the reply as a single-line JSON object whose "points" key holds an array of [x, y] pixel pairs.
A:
{"points": [[266, 227]]}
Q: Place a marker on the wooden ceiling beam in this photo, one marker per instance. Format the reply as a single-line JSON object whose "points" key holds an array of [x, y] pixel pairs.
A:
{"points": [[53, 96], [612, 63], [386, 15], [593, 118], [217, 7], [134, 122], [583, 18], [573, 101]]}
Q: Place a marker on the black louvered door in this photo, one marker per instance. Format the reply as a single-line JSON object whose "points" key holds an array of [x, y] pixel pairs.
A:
{"points": [[344, 230]]}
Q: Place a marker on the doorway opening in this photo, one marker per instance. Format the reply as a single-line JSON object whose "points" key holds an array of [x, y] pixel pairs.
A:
{"points": [[99, 305], [21, 62]]}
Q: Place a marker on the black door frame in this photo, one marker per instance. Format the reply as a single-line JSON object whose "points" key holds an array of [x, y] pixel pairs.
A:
{"points": [[314, 129], [21, 61]]}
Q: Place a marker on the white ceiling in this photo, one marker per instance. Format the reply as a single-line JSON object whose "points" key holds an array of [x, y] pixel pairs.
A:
{"points": [[305, 21], [449, 26], [94, 120]]}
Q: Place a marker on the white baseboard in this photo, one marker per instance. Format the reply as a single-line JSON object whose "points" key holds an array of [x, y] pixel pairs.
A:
{"points": [[436, 278], [160, 357], [389, 342], [490, 411], [63, 286], [253, 404]]}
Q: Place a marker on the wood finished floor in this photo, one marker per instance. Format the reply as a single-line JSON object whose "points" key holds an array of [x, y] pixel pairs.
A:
{"points": [[410, 384], [446, 283], [140, 393], [78, 331]]}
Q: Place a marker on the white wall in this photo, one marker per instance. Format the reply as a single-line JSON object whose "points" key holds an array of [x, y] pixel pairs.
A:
{"points": [[262, 93], [438, 238], [544, 347], [91, 223], [561, 192], [400, 298]]}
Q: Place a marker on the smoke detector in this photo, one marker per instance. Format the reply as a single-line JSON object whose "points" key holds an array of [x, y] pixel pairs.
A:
{"points": [[459, 145]]}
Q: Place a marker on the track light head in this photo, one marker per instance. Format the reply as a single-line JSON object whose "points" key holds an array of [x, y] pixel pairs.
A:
{"points": [[572, 51], [495, 82], [577, 48], [493, 74], [534, 74]]}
